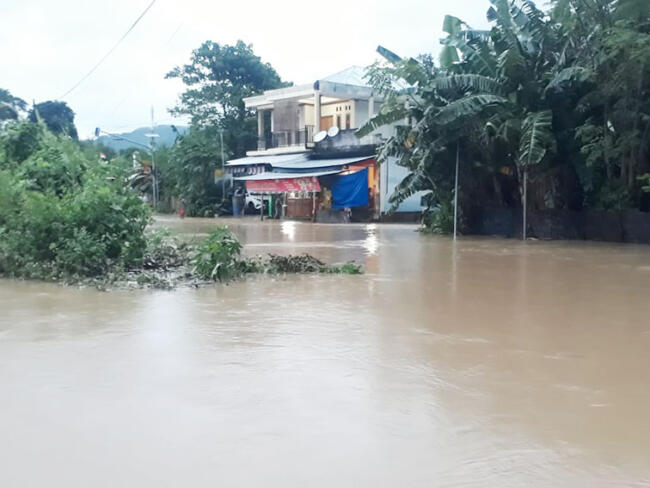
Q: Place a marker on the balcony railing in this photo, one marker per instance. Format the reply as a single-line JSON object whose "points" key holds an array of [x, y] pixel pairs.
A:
{"points": [[287, 138]]}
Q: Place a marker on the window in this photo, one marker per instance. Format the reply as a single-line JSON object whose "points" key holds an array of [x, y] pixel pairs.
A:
{"points": [[338, 121], [347, 121]]}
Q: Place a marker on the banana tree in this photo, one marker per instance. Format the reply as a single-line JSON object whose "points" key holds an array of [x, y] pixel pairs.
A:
{"points": [[517, 54]]}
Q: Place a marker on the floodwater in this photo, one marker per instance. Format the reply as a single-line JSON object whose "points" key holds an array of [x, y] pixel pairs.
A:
{"points": [[485, 362]]}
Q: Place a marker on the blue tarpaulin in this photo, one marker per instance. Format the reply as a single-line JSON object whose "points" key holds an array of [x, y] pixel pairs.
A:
{"points": [[350, 190]]}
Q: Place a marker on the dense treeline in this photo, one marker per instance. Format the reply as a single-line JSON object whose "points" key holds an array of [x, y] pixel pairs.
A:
{"points": [[559, 99]]}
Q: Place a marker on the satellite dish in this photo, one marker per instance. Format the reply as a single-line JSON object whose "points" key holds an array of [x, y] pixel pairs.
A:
{"points": [[320, 136], [333, 131]]}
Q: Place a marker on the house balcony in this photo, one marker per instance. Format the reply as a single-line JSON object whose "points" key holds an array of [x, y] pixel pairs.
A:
{"points": [[291, 139]]}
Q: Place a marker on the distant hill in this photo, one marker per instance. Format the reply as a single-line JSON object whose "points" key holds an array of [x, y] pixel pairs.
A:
{"points": [[166, 133]]}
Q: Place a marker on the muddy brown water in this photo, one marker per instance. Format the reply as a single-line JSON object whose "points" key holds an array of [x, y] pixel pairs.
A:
{"points": [[484, 362]]}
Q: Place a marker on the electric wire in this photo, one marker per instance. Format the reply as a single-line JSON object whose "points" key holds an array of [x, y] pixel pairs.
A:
{"points": [[92, 70]]}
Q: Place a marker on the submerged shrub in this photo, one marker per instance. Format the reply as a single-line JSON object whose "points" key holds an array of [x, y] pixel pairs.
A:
{"points": [[163, 250], [217, 257], [439, 219], [294, 264], [305, 263]]}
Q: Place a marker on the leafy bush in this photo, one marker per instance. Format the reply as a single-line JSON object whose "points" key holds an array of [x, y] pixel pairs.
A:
{"points": [[62, 215], [294, 264], [305, 263], [217, 257], [439, 219]]}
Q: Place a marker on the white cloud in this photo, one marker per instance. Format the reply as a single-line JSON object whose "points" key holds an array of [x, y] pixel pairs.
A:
{"points": [[47, 46]]}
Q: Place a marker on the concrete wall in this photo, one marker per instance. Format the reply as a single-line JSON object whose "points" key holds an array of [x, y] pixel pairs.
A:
{"points": [[625, 226], [286, 115], [358, 110], [340, 110], [360, 113], [390, 175], [306, 115]]}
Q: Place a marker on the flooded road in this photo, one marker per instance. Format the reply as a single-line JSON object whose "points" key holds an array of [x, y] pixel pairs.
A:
{"points": [[484, 362]]}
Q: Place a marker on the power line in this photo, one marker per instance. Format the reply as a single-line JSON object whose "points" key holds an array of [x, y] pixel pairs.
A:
{"points": [[109, 52]]}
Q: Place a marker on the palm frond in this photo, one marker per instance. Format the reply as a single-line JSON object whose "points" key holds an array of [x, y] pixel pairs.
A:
{"points": [[452, 25], [511, 63], [476, 83], [411, 184], [536, 138], [388, 55], [448, 56], [476, 52], [467, 107], [384, 117], [569, 76]]}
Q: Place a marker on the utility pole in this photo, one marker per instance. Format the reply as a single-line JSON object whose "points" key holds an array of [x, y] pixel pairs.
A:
{"points": [[223, 169], [456, 190], [525, 202], [153, 168], [154, 178]]}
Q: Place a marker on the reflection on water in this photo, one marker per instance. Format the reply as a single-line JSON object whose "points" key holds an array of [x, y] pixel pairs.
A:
{"points": [[289, 229], [480, 362], [371, 243]]}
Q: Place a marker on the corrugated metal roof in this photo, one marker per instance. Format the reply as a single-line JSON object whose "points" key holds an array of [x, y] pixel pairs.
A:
{"points": [[354, 75], [295, 162], [272, 159], [272, 175], [317, 163]]}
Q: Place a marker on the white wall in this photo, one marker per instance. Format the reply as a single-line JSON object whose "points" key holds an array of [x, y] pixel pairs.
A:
{"points": [[391, 174]]}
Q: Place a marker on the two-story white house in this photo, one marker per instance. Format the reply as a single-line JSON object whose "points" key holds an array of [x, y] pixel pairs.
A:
{"points": [[308, 151]]}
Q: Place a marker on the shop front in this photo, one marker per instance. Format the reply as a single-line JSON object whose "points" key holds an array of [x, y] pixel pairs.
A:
{"points": [[296, 193]]}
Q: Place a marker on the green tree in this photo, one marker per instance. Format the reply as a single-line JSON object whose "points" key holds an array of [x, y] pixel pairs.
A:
{"points": [[189, 170], [58, 117], [10, 106], [218, 78]]}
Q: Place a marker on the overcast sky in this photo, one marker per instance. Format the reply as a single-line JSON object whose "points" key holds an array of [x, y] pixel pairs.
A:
{"points": [[46, 46]]}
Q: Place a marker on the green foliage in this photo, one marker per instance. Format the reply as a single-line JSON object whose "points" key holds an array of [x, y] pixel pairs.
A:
{"points": [[217, 257], [305, 263], [189, 173], [18, 142], [564, 94], [58, 117], [536, 138], [294, 264], [63, 216], [612, 195], [10, 106], [646, 180], [439, 219], [218, 78]]}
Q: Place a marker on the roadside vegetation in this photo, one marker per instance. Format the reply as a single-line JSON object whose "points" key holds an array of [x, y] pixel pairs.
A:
{"points": [[558, 97], [63, 215], [69, 216], [75, 212]]}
